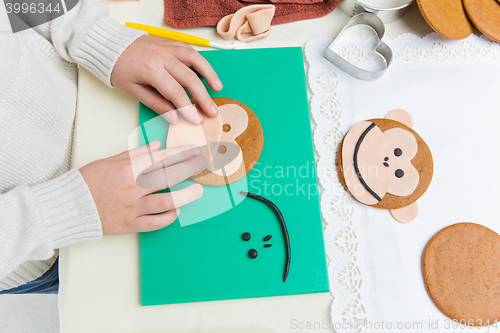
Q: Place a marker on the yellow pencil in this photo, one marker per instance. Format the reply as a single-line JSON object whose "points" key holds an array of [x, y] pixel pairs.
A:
{"points": [[182, 37]]}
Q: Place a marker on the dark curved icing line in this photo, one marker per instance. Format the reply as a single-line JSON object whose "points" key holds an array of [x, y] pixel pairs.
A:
{"points": [[356, 150], [283, 228]]}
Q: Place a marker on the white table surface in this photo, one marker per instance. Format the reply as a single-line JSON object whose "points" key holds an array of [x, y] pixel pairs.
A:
{"points": [[100, 282]]}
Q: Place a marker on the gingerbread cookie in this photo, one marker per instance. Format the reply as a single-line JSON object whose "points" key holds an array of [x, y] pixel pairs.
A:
{"points": [[385, 164], [231, 142], [461, 271], [485, 14], [446, 17]]}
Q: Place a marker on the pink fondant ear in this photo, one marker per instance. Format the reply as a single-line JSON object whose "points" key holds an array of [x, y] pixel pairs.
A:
{"points": [[402, 116], [405, 214]]}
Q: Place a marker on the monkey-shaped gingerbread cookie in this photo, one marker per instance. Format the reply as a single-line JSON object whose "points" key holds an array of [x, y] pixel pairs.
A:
{"points": [[385, 164]]}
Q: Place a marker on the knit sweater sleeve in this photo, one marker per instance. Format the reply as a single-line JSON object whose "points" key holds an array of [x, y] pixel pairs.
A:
{"points": [[86, 35], [35, 220]]}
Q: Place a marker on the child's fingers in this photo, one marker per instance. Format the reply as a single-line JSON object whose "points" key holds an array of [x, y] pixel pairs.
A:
{"points": [[149, 148], [156, 102], [154, 160], [200, 64], [154, 222], [172, 175], [188, 79], [173, 91], [162, 202], [146, 149]]}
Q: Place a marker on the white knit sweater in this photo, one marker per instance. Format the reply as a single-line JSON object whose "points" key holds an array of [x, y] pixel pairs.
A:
{"points": [[43, 205]]}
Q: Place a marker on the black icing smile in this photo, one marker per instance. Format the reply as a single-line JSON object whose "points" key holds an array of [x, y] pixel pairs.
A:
{"points": [[284, 230], [356, 168]]}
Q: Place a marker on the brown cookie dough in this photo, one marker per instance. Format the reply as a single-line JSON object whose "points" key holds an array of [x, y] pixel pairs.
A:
{"points": [[485, 14], [446, 17], [461, 269], [251, 143]]}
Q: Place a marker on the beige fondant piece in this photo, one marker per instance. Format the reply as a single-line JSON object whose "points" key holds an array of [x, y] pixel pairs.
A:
{"points": [[371, 156], [404, 140], [402, 116], [251, 143], [237, 119], [185, 133], [254, 19], [405, 214]]}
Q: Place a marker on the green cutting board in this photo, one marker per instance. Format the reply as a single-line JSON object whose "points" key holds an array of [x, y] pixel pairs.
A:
{"points": [[203, 256]]}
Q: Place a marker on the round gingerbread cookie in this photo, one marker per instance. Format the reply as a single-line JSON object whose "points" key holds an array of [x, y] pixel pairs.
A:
{"points": [[395, 165], [461, 272], [485, 14], [446, 17], [251, 142]]}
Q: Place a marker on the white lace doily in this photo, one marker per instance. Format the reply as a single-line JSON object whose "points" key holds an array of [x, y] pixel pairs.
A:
{"points": [[351, 281]]}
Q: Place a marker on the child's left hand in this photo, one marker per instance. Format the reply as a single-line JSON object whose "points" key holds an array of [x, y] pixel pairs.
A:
{"points": [[163, 64]]}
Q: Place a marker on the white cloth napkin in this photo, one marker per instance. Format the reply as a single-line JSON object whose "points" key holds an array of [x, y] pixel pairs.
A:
{"points": [[451, 88]]}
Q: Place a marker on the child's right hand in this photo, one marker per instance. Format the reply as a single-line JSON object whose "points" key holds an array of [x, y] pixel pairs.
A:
{"points": [[165, 65], [125, 207]]}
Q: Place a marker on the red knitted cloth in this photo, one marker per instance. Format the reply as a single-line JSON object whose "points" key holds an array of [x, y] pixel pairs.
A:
{"points": [[195, 13]]}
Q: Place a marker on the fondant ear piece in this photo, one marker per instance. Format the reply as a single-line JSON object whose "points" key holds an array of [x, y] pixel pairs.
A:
{"points": [[402, 116], [405, 214]]}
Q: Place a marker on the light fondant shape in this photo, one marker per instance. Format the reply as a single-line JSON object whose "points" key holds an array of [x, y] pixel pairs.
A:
{"points": [[237, 120], [254, 20], [402, 116], [398, 138], [218, 146], [185, 133], [405, 214]]}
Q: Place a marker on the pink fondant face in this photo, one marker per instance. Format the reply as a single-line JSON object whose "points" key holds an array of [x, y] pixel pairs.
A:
{"points": [[376, 162], [211, 134]]}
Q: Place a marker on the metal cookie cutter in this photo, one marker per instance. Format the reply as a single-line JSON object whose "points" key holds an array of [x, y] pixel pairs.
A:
{"points": [[373, 22], [387, 14]]}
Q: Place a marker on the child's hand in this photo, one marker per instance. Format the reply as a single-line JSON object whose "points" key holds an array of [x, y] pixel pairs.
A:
{"points": [[163, 64], [123, 206]]}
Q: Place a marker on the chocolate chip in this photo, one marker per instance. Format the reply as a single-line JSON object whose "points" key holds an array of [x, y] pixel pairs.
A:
{"points": [[268, 245], [246, 236], [398, 152], [268, 237]]}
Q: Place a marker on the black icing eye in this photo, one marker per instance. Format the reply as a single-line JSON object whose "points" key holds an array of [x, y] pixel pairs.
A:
{"points": [[399, 173], [252, 254], [398, 152]]}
